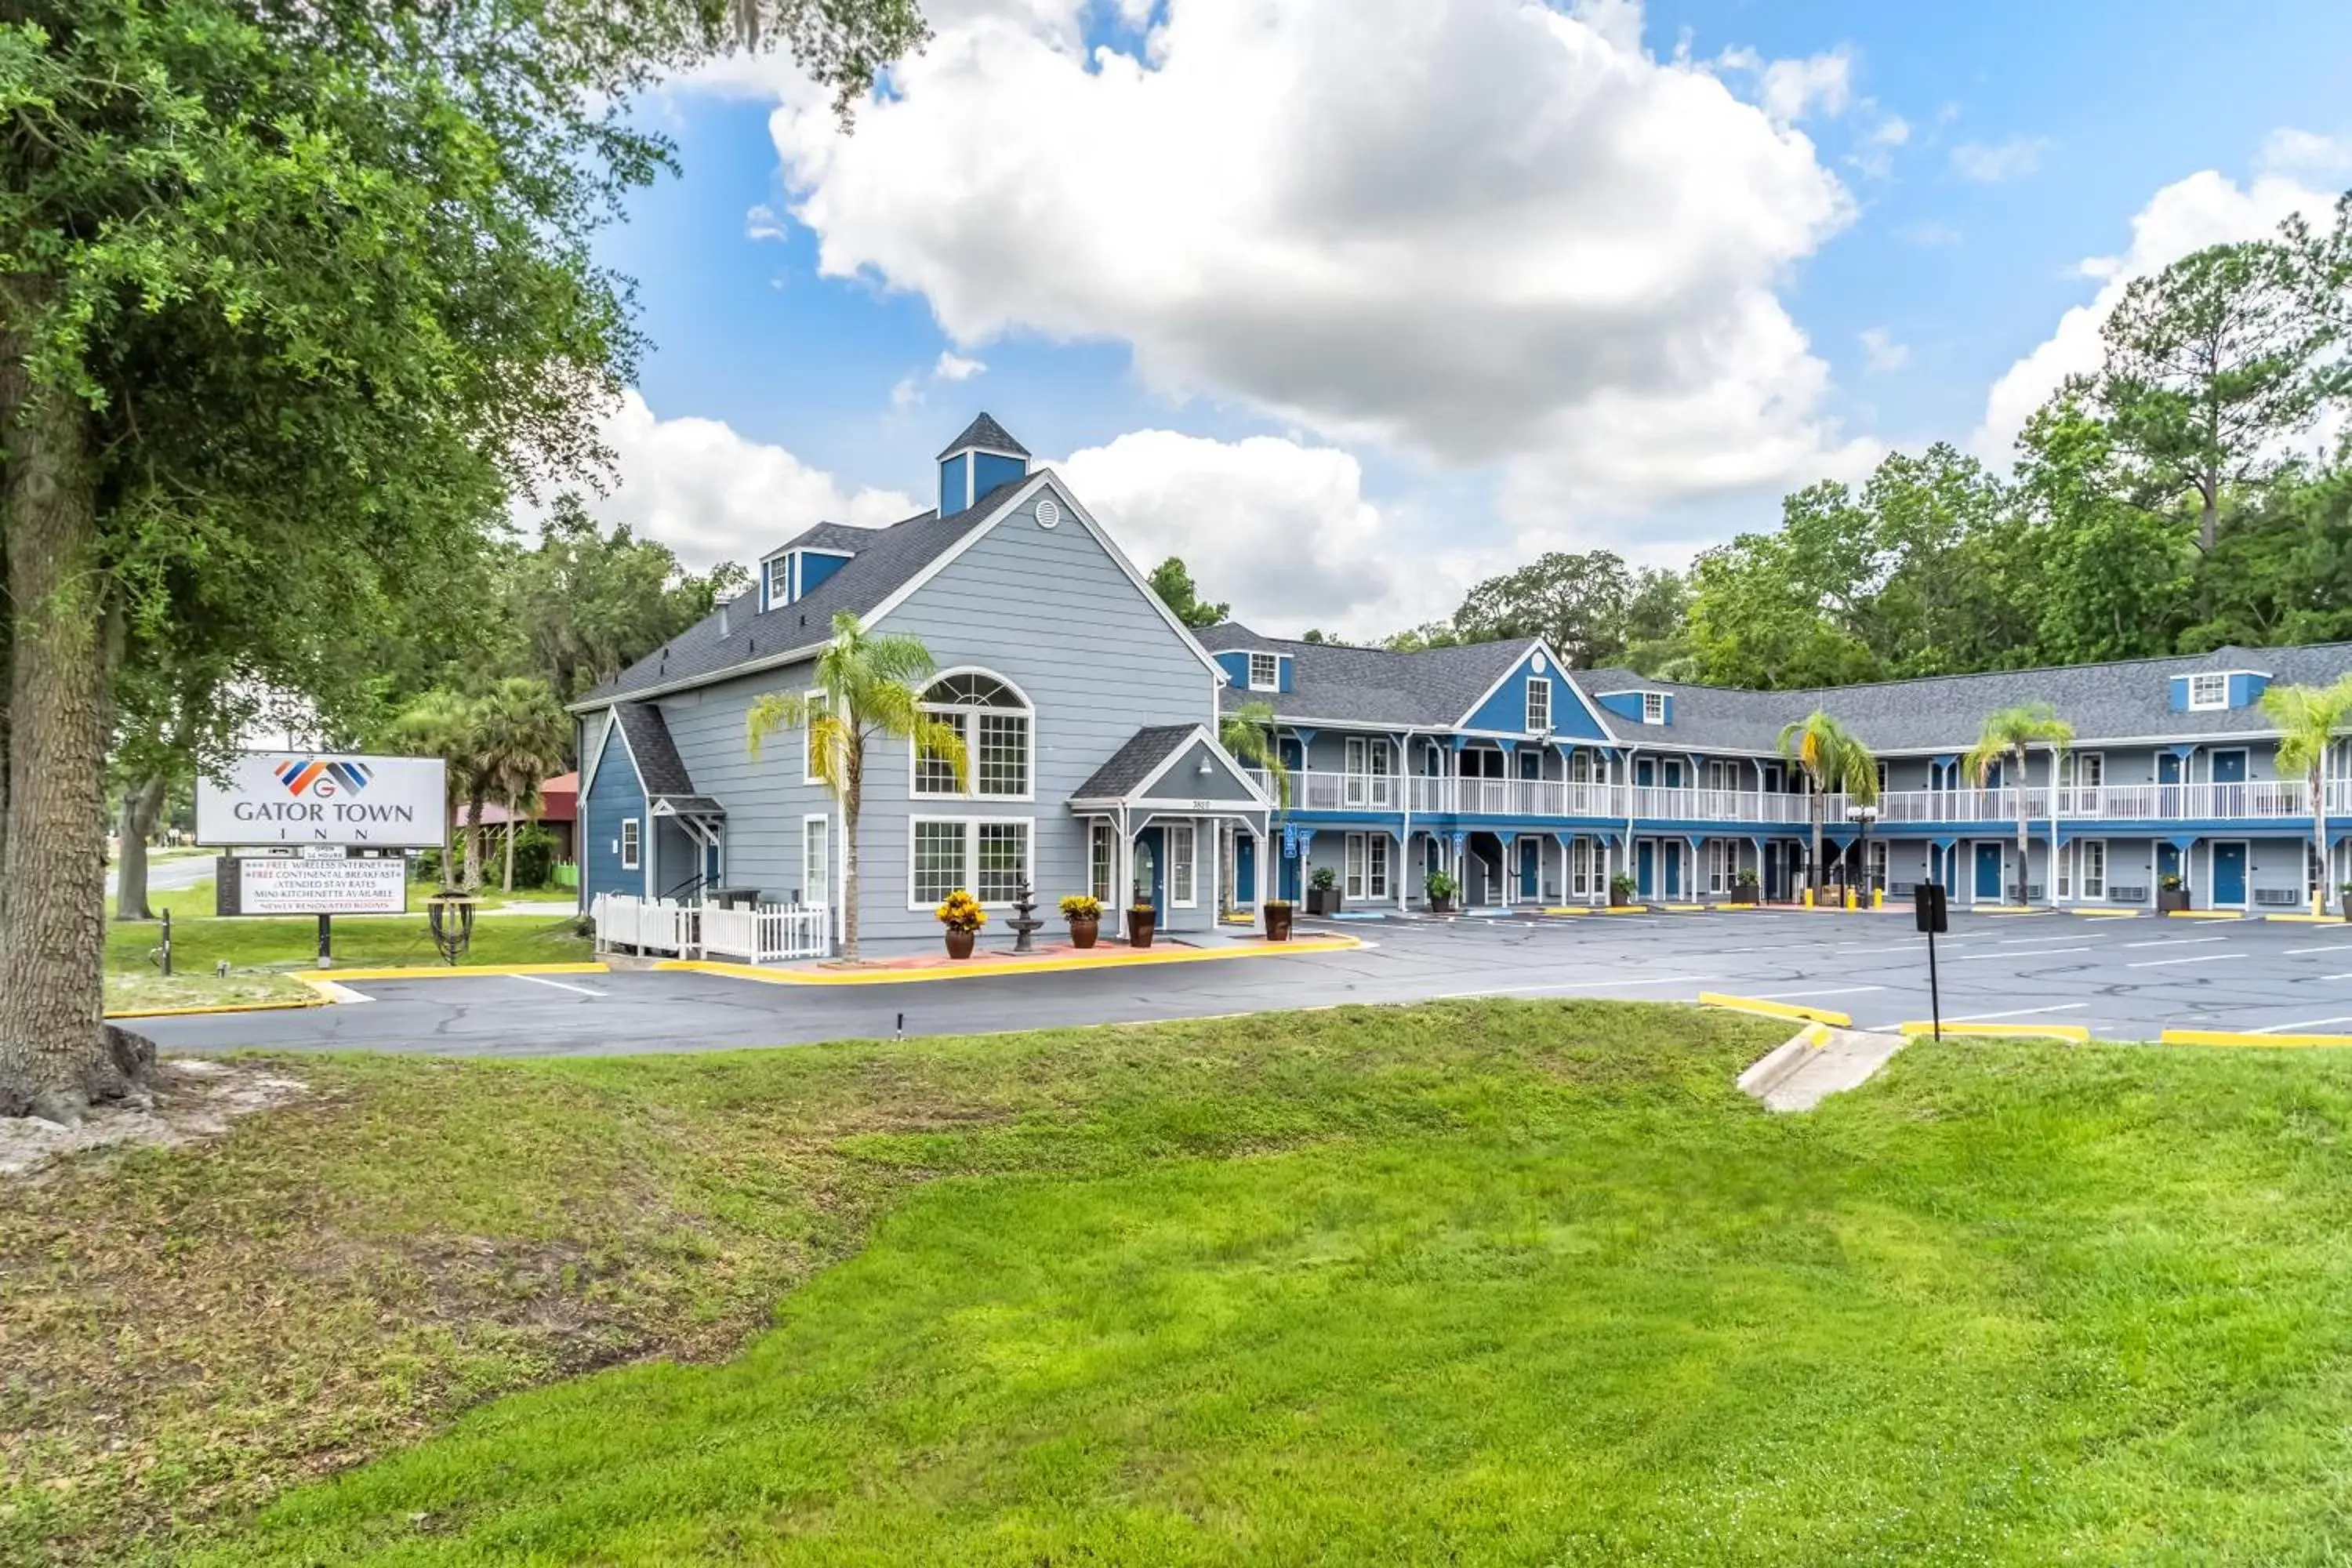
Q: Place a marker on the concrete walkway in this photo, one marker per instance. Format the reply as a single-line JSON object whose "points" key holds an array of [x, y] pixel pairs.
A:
{"points": [[1816, 1062]]}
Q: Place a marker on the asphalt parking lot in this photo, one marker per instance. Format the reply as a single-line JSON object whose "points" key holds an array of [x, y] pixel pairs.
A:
{"points": [[2122, 979]]}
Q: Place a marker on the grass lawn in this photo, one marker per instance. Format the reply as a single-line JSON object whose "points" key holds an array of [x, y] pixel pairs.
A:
{"points": [[1469, 1283]]}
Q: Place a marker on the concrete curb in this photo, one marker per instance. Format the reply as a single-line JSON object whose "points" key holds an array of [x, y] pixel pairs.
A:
{"points": [[448, 972], [1921, 1028], [2250, 1039], [1775, 1009], [1028, 966], [220, 1008], [1768, 1071]]}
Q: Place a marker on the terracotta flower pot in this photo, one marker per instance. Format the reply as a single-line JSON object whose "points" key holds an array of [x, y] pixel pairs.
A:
{"points": [[1140, 924], [960, 943], [1277, 923], [1083, 932]]}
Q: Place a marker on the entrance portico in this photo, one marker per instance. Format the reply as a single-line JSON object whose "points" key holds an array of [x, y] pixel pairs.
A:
{"points": [[1174, 822]]}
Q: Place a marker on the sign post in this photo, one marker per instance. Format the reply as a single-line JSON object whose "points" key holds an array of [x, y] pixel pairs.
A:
{"points": [[1930, 916]]}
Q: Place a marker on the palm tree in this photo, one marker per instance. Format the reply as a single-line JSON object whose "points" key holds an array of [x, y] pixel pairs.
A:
{"points": [[2007, 736], [449, 724], [1247, 734], [1832, 760], [868, 687], [523, 737], [2309, 717]]}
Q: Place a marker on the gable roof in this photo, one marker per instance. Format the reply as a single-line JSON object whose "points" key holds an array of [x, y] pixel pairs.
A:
{"points": [[659, 768], [1146, 752], [885, 559], [1428, 688], [986, 433], [2124, 699]]}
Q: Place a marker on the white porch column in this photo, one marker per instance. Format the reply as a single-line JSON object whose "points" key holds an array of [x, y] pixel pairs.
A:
{"points": [[1212, 830]]}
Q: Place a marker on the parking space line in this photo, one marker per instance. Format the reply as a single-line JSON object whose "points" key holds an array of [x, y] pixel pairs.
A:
{"points": [[2331, 947], [1807, 996], [559, 985], [2307, 1024], [2045, 953], [2018, 1013], [1571, 985], [2178, 941], [2194, 958]]}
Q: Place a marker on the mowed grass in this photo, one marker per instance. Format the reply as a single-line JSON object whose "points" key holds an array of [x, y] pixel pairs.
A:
{"points": [[1467, 1283]]}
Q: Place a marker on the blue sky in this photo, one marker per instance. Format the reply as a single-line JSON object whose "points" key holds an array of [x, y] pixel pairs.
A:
{"points": [[1351, 324]]}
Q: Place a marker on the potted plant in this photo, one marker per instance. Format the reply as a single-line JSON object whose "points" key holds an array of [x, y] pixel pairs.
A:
{"points": [[1621, 891], [2171, 894], [1442, 889], [1744, 889], [1141, 919], [1084, 911], [1278, 914], [1323, 892], [960, 913]]}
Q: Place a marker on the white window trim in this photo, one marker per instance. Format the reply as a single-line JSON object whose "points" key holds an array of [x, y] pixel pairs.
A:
{"points": [[633, 843], [1273, 682], [1538, 683], [1192, 900], [2219, 702], [812, 697], [1653, 703], [970, 826], [823, 824], [971, 792]]}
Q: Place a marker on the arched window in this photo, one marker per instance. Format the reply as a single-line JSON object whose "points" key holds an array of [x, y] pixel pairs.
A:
{"points": [[994, 720]]}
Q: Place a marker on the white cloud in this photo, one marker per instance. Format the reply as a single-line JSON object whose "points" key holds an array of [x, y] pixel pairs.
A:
{"points": [[954, 366], [1792, 90], [1474, 231], [1881, 353], [761, 223], [1996, 163], [713, 495], [2287, 150], [1279, 529], [2206, 208], [949, 366]]}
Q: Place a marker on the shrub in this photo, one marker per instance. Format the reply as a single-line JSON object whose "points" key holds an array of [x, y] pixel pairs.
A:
{"points": [[1082, 907], [961, 911]]}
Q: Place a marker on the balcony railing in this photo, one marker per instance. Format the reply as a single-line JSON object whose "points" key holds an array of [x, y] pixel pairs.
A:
{"points": [[2254, 801]]}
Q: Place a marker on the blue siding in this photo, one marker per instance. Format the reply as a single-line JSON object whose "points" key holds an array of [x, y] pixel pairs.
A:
{"points": [[614, 793], [1235, 664], [2247, 690], [1507, 709], [1282, 677], [1628, 705], [816, 566], [989, 470], [953, 476], [2179, 701]]}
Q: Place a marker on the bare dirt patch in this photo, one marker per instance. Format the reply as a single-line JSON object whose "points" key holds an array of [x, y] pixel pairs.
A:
{"points": [[183, 1100]]}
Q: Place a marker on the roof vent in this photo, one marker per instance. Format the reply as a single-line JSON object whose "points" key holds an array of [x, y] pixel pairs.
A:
{"points": [[1048, 514]]}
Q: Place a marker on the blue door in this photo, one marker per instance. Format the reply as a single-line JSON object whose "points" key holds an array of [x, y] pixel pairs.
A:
{"points": [[1531, 867], [1149, 870], [2228, 873], [1645, 771], [1988, 873], [1644, 877], [1245, 869], [1673, 867], [2229, 767], [2168, 769]]}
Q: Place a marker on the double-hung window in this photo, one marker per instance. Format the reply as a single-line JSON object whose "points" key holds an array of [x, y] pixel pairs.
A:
{"points": [[1183, 866], [2208, 691], [2095, 868], [996, 725], [816, 860], [1102, 857], [1265, 671], [1539, 705], [1653, 708], [988, 858], [632, 846]]}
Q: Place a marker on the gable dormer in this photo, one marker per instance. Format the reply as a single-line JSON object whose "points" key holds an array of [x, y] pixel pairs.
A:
{"points": [[1255, 669], [1653, 708], [2217, 690], [1534, 697], [984, 457]]}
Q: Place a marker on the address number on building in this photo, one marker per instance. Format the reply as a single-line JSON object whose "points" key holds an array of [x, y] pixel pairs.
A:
{"points": [[277, 886]]}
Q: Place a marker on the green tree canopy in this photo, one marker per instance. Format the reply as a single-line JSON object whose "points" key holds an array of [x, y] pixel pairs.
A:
{"points": [[1172, 581]]}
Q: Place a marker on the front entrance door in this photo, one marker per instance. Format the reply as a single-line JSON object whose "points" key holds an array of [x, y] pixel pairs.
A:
{"points": [[1988, 865], [2228, 873], [1530, 868], [1646, 867], [1244, 868], [1151, 874], [1674, 852]]}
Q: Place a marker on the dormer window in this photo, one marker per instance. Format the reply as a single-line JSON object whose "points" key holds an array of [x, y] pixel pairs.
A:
{"points": [[775, 582], [1653, 708], [2207, 692], [1265, 671]]}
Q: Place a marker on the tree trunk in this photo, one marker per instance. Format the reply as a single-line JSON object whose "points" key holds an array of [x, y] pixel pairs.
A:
{"points": [[474, 803], [506, 877], [853, 804], [2023, 835], [54, 1055], [1813, 866], [2319, 828], [142, 803]]}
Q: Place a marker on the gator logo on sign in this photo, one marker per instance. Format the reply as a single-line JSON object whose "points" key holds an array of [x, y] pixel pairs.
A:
{"points": [[323, 778]]}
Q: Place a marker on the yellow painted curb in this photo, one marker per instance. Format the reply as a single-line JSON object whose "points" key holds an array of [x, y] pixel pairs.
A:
{"points": [[2106, 914], [2237, 1038], [2205, 914], [218, 1007], [1685, 908], [1622, 910], [448, 972], [2077, 1033], [2307, 920], [1815, 1035], [1025, 966], [1566, 909], [1775, 1009]]}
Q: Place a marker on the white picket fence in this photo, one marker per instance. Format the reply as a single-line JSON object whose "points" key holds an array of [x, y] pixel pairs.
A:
{"points": [[767, 934]]}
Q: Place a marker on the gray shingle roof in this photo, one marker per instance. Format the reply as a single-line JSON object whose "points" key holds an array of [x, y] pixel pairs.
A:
{"points": [[1134, 761], [2123, 700], [659, 767], [885, 559], [986, 432], [1432, 687]]}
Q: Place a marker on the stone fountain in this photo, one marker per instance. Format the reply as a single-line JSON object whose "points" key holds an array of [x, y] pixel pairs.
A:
{"points": [[1025, 921]]}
